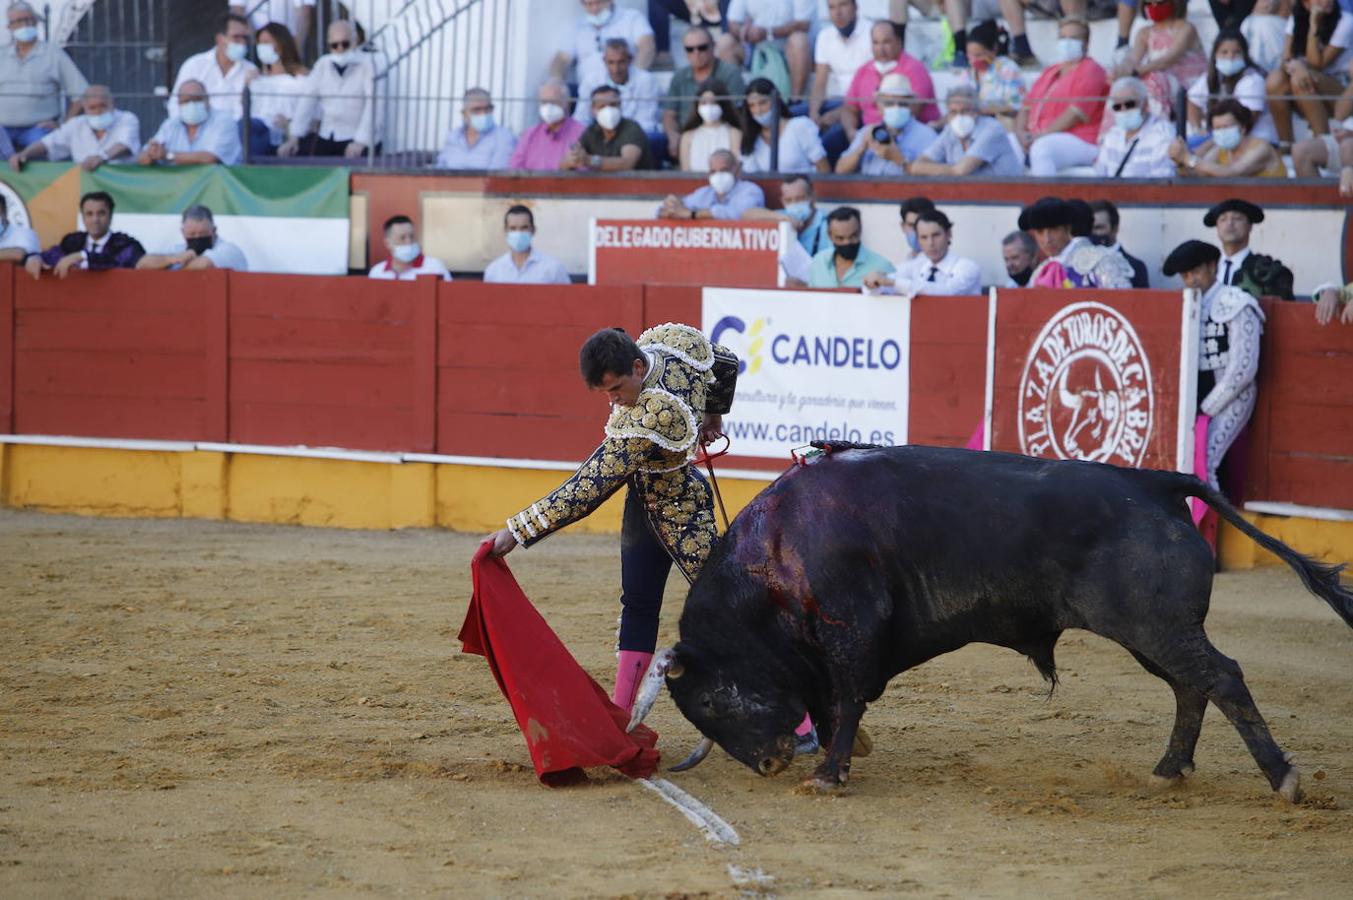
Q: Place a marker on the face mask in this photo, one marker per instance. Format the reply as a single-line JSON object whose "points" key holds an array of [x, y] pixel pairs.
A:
{"points": [[710, 112], [25, 35], [1226, 138], [1070, 49], [1128, 119], [764, 119], [194, 113], [348, 57], [482, 122], [267, 54], [963, 125], [1022, 277], [608, 117], [236, 52], [896, 117], [722, 182], [597, 20], [799, 212], [883, 68], [913, 241], [1160, 12], [102, 122], [849, 251], [406, 253], [847, 31], [519, 241], [1101, 240], [551, 113], [1229, 66], [200, 245]]}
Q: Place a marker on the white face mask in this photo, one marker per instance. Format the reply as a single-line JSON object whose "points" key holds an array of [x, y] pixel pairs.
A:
{"points": [[193, 113], [1070, 49], [482, 122], [963, 125], [710, 112], [551, 113], [883, 68], [406, 253], [1128, 119], [1229, 66], [722, 182], [236, 52], [608, 117], [268, 55], [1227, 138]]}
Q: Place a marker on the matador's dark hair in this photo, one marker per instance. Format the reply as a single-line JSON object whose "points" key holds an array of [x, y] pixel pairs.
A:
{"points": [[608, 352]]}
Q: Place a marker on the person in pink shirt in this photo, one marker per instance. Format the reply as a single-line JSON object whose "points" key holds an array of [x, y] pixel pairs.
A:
{"points": [[543, 146], [889, 57], [1059, 121]]}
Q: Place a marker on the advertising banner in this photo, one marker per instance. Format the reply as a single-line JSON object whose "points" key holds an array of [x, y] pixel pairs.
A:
{"points": [[1105, 376], [662, 251], [814, 366]]}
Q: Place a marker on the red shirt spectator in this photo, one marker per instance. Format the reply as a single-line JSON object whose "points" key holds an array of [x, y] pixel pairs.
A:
{"points": [[867, 78], [1062, 86]]}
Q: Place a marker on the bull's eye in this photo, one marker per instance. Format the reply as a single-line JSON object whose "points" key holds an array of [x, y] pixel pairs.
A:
{"points": [[706, 701]]}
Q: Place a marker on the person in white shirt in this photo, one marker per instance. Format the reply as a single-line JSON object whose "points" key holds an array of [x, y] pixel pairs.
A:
{"points": [[196, 136], [522, 263], [800, 147], [936, 270], [201, 247], [406, 261], [338, 94], [17, 241], [639, 93], [224, 70], [839, 52], [782, 24], [297, 16], [102, 134], [601, 21], [1138, 144], [275, 96]]}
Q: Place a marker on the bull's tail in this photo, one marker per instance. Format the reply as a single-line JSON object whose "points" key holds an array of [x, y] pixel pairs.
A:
{"points": [[1321, 579]]}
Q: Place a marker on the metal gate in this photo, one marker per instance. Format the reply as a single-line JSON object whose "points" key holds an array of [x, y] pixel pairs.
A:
{"points": [[125, 45]]}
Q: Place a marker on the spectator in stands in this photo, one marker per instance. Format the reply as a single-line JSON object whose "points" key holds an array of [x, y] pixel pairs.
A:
{"points": [[197, 135], [1330, 300], [936, 270], [1138, 144], [688, 82], [35, 74], [908, 214], [96, 248], [1070, 261], [543, 145], [1318, 157], [1231, 73], [17, 242], [406, 261], [102, 134], [1262, 276], [296, 16], [710, 127], [201, 247], [638, 93], [800, 148], [338, 96], [889, 59], [695, 13], [1020, 253], [522, 263], [1165, 55], [781, 25], [801, 211], [1232, 151], [225, 69], [997, 77], [970, 144], [611, 143], [1316, 61], [1060, 120], [838, 53], [276, 94], [727, 196], [601, 21], [1265, 30], [890, 147], [847, 261], [1104, 232], [479, 142]]}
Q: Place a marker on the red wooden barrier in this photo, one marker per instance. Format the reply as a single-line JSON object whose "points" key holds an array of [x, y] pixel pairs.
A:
{"points": [[948, 369], [6, 348], [507, 364], [343, 362], [118, 354]]}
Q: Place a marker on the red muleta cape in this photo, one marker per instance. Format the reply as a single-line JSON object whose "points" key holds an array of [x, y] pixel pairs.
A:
{"points": [[566, 717]]}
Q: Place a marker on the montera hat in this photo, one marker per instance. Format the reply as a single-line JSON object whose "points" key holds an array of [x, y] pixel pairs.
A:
{"points": [[1189, 256], [1047, 212], [1235, 204]]}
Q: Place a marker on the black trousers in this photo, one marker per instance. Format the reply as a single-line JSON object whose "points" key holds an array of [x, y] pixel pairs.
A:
{"points": [[644, 566], [660, 10]]}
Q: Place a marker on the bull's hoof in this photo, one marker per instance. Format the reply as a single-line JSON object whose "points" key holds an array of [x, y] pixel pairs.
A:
{"points": [[822, 784], [1290, 789], [864, 744], [1171, 772]]}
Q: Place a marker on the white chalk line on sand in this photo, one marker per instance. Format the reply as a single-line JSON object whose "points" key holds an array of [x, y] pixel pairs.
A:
{"points": [[714, 828]]}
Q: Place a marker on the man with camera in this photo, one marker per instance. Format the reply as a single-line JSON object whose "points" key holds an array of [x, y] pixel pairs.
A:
{"points": [[888, 148]]}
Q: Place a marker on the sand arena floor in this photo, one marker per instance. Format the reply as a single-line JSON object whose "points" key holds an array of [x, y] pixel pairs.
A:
{"points": [[207, 709]]}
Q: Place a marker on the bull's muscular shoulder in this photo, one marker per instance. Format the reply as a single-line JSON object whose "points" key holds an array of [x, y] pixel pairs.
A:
{"points": [[656, 416], [682, 341]]}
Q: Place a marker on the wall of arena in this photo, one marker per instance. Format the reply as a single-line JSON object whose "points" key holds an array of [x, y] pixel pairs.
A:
{"points": [[350, 403]]}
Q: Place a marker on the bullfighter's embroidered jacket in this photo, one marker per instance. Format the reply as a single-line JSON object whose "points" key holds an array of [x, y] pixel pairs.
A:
{"points": [[649, 446], [1228, 361]]}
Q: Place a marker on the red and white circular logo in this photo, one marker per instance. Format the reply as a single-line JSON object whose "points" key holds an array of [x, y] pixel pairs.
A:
{"points": [[1086, 389]]}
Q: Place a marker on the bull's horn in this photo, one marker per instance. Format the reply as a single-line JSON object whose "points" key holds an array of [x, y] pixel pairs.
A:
{"points": [[697, 756], [1069, 400], [663, 662]]}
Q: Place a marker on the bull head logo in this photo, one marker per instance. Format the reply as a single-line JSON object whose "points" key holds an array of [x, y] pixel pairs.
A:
{"points": [[1092, 410]]}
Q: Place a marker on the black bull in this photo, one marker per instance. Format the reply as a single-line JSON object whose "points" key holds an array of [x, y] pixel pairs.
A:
{"points": [[870, 561]]}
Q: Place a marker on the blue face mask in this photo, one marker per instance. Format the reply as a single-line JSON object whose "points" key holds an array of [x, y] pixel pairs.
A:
{"points": [[1230, 66], [25, 35], [101, 122], [1227, 138], [597, 20], [799, 212], [482, 122], [406, 253], [764, 119], [896, 117], [519, 241], [914, 241]]}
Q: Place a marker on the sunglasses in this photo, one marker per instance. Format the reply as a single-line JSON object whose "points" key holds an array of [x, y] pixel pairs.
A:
{"points": [[1124, 106], [698, 48], [339, 45]]}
